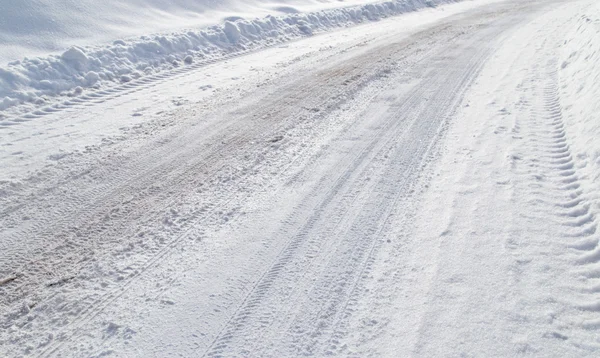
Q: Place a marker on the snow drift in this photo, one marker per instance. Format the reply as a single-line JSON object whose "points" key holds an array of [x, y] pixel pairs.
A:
{"points": [[37, 27], [33, 82]]}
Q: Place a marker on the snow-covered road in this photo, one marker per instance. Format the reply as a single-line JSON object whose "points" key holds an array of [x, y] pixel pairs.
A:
{"points": [[425, 185]]}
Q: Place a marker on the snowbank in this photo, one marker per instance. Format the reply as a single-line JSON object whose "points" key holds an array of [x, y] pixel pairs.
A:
{"points": [[38, 27], [33, 82]]}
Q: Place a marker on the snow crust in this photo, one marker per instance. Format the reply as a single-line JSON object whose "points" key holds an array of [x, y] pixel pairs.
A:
{"points": [[79, 69]]}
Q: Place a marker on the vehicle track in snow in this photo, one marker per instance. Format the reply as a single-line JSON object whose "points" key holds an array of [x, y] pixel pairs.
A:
{"points": [[312, 324], [144, 210], [561, 200], [577, 217]]}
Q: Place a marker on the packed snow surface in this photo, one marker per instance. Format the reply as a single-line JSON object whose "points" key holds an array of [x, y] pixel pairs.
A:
{"points": [[422, 185]]}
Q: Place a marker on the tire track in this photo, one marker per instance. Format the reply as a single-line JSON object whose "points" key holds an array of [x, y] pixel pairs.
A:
{"points": [[560, 193], [71, 226], [340, 327], [215, 207], [350, 260]]}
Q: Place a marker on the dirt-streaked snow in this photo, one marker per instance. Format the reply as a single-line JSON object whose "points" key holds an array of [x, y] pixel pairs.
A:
{"points": [[423, 185]]}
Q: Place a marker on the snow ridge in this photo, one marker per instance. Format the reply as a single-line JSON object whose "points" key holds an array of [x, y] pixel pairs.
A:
{"points": [[33, 83]]}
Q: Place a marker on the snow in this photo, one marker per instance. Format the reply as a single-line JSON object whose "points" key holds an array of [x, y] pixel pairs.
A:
{"points": [[35, 81], [513, 204], [422, 185], [580, 89], [99, 121]]}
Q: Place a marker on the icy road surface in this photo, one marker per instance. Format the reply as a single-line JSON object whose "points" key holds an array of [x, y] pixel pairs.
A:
{"points": [[425, 185]]}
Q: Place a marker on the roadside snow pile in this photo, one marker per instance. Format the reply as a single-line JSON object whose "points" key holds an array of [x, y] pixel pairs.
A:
{"points": [[32, 82], [39, 27], [580, 91]]}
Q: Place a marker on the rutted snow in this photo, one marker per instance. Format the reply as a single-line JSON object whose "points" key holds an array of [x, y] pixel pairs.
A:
{"points": [[83, 69], [310, 209]]}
